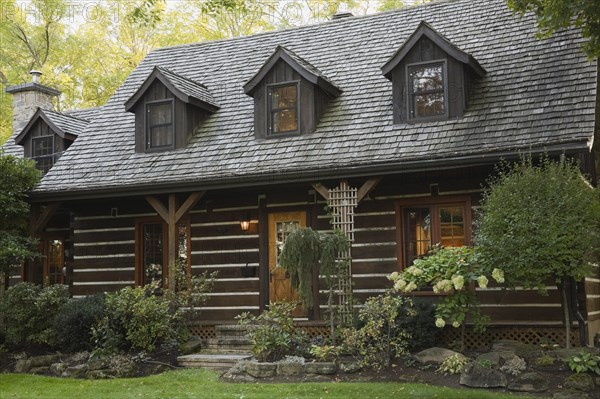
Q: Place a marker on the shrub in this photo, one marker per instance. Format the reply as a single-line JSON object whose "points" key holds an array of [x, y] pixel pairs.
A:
{"points": [[584, 362], [514, 366], [74, 321], [136, 319], [28, 312], [325, 353], [272, 332], [380, 338], [454, 364], [419, 322]]}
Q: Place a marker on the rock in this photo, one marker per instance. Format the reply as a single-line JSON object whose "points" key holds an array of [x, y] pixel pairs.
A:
{"points": [[96, 364], [23, 366], [570, 394], [321, 368], [580, 382], [46, 360], [316, 378], [478, 376], [237, 377], [261, 370], [434, 355], [40, 370], [101, 374], [351, 367], [288, 369], [190, 347], [529, 382], [496, 358], [75, 371], [516, 347], [58, 368]]}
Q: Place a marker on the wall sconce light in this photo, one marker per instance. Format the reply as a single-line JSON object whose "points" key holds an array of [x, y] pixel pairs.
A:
{"points": [[245, 223]]}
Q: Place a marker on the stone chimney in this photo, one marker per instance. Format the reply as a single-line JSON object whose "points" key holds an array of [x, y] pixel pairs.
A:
{"points": [[27, 97]]}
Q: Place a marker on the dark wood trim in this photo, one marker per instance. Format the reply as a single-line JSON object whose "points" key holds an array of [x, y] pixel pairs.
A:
{"points": [[41, 220], [321, 189], [263, 245], [366, 188]]}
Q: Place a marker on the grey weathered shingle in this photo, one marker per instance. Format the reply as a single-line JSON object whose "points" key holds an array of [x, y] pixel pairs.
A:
{"points": [[536, 94]]}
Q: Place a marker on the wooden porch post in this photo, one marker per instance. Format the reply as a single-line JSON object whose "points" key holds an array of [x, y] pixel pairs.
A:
{"points": [[171, 215]]}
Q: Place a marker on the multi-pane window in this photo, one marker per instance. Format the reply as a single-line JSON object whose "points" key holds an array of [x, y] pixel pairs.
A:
{"points": [[424, 226], [154, 242], [283, 108], [42, 151], [427, 92], [159, 122]]}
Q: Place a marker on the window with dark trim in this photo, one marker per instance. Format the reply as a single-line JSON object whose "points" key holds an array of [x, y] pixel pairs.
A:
{"points": [[152, 251], [283, 108], [424, 225], [427, 90], [159, 124], [42, 151]]}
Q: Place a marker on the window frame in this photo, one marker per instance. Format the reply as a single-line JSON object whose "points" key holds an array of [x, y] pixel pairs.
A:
{"points": [[433, 203], [50, 156], [270, 111], [139, 247], [147, 134], [409, 94]]}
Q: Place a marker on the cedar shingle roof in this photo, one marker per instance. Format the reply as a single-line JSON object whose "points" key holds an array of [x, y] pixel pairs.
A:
{"points": [[536, 94]]}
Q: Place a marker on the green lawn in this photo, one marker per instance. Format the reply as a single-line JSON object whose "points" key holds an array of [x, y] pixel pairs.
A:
{"points": [[205, 384]]}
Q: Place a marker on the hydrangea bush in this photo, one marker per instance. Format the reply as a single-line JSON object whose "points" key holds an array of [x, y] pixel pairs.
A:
{"points": [[453, 272]]}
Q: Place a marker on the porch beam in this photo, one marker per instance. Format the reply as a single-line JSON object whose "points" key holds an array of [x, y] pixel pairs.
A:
{"points": [[172, 241], [189, 203], [40, 221], [158, 207], [321, 189], [366, 188]]}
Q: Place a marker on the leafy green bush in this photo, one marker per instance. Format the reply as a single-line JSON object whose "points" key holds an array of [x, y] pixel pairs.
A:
{"points": [[454, 364], [272, 332], [381, 337], [28, 312], [419, 322], [136, 319], [73, 323], [584, 362]]}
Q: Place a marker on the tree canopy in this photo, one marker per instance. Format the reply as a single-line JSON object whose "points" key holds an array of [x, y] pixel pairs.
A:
{"points": [[554, 15]]}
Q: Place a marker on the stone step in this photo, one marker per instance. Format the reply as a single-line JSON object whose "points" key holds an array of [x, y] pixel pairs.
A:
{"points": [[226, 351], [211, 361], [228, 343]]}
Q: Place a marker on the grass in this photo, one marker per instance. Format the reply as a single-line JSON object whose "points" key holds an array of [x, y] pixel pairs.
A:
{"points": [[199, 384]]}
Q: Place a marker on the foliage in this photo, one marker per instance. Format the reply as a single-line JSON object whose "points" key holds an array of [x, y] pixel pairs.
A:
{"points": [[135, 319], [28, 312], [206, 384], [555, 15], [540, 222], [545, 361], [272, 332], [514, 366], [380, 338], [324, 353], [454, 364], [419, 322], [451, 271], [18, 176], [73, 323], [584, 362]]}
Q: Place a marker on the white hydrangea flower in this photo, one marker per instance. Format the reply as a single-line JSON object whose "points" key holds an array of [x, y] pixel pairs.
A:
{"points": [[439, 322], [410, 287], [399, 284], [482, 281], [394, 276], [498, 275], [416, 271], [455, 324], [459, 282]]}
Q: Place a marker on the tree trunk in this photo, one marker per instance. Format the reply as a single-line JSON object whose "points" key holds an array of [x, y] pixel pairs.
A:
{"points": [[565, 307]]}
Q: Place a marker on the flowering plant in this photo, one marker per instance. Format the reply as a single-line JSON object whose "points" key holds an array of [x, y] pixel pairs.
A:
{"points": [[454, 272]]}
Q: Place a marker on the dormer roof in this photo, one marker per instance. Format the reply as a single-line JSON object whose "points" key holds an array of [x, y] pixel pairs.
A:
{"points": [[187, 90], [425, 30], [300, 65], [65, 126]]}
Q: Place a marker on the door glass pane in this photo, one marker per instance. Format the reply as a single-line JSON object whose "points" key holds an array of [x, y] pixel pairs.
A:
{"points": [[182, 243], [283, 229], [452, 226], [55, 262], [417, 233], [153, 253]]}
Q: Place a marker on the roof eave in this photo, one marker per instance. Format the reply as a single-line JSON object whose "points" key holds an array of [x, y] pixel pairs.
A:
{"points": [[39, 113]]}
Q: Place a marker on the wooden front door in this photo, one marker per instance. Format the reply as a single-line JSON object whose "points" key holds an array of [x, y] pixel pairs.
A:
{"points": [[54, 262], [280, 225]]}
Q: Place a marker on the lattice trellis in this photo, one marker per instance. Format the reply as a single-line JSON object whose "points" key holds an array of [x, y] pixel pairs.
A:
{"points": [[342, 201]]}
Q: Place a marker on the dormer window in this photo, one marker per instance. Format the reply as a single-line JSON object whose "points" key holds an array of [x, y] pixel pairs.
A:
{"points": [[168, 108], [159, 124], [289, 95], [428, 90], [283, 108], [430, 78], [42, 152]]}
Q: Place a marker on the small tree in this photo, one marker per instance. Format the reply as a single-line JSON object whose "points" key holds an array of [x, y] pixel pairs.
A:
{"points": [[17, 177], [307, 253], [541, 222]]}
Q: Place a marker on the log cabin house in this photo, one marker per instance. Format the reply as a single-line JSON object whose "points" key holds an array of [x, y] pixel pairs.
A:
{"points": [[210, 153]]}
